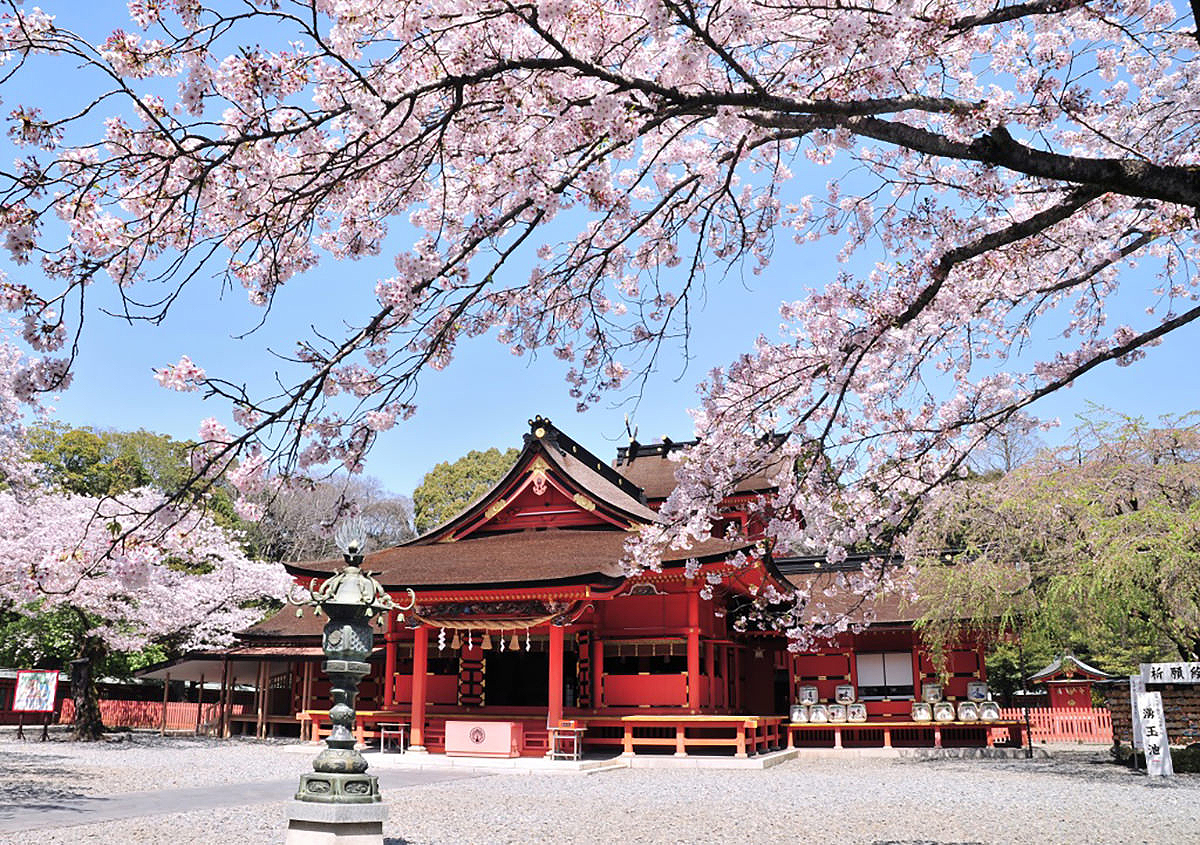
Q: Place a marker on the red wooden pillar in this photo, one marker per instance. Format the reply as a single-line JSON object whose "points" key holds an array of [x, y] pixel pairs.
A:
{"points": [[598, 659], [389, 662], [420, 673], [710, 662], [555, 692], [693, 651]]}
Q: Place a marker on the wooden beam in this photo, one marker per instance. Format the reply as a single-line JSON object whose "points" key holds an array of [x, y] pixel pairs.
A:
{"points": [[260, 721], [162, 731], [199, 704]]}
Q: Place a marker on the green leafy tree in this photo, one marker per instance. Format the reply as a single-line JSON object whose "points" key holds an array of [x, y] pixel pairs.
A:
{"points": [[94, 462], [451, 486], [1093, 548]]}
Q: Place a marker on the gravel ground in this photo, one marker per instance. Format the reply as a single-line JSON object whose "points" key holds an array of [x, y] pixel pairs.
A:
{"points": [[1075, 796]]}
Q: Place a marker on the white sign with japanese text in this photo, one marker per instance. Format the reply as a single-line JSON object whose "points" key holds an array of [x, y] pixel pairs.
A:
{"points": [[1171, 673], [1154, 735], [1136, 687]]}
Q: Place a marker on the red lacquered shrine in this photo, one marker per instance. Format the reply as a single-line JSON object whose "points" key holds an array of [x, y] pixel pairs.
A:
{"points": [[527, 633], [1069, 681]]}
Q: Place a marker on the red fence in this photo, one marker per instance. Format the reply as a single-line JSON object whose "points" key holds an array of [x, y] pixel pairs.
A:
{"points": [[181, 715], [1074, 724]]}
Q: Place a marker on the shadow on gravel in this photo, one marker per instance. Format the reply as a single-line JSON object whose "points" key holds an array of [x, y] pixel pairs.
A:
{"points": [[1083, 766], [34, 782]]}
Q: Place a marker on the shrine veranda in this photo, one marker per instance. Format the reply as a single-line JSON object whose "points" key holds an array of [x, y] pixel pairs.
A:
{"points": [[525, 621]]}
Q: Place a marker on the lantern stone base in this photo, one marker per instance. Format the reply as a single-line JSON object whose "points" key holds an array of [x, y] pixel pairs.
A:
{"points": [[338, 788], [312, 823]]}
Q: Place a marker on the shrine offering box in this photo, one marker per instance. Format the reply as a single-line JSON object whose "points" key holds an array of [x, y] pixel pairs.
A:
{"points": [[968, 711], [977, 691], [943, 711], [798, 714], [808, 695], [922, 712], [989, 711], [844, 694], [818, 713], [856, 712], [837, 712], [484, 739], [931, 693]]}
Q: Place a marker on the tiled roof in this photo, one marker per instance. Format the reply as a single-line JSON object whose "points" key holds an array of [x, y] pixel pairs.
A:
{"points": [[888, 608], [550, 556], [650, 467], [1067, 665]]}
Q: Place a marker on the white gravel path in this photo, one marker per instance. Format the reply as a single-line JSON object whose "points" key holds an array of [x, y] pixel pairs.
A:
{"points": [[1075, 797]]}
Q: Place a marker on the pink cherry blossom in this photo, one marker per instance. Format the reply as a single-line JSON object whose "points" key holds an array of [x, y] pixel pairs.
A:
{"points": [[184, 577], [1000, 168]]}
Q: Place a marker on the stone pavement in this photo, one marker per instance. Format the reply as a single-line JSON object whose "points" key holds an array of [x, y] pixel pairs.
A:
{"points": [[45, 809]]}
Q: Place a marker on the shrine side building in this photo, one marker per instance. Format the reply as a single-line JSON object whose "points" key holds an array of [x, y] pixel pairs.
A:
{"points": [[525, 616]]}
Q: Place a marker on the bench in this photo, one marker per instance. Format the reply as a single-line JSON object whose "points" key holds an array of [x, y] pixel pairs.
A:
{"points": [[745, 735]]}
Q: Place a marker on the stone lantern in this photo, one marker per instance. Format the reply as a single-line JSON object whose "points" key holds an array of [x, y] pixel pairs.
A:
{"points": [[338, 801]]}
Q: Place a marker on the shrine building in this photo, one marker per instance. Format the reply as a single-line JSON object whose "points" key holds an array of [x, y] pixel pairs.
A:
{"points": [[1069, 680], [526, 623]]}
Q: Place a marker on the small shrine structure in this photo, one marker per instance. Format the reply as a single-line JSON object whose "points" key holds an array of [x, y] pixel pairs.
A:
{"points": [[1068, 681]]}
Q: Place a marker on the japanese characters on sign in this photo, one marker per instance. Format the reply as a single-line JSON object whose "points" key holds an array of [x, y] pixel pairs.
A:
{"points": [[1154, 735], [1171, 673], [35, 690]]}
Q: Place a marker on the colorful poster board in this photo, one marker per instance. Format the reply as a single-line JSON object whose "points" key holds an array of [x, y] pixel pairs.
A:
{"points": [[36, 690]]}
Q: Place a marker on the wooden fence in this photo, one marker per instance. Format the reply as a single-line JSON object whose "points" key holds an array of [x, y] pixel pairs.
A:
{"points": [[1075, 724], [181, 715]]}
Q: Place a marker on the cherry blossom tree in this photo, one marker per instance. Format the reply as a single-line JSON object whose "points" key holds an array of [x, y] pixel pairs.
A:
{"points": [[186, 580], [18, 402], [1002, 165]]}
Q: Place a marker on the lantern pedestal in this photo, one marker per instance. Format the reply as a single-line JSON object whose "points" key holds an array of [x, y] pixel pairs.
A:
{"points": [[313, 823]]}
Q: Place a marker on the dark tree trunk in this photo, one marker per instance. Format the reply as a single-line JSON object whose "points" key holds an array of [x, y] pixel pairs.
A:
{"points": [[88, 725]]}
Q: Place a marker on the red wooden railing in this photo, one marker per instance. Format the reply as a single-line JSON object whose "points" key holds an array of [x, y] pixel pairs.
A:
{"points": [[1068, 724], [181, 715]]}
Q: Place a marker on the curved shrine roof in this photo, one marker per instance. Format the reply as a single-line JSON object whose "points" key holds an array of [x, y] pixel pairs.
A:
{"points": [[550, 556], [1068, 666], [559, 517], [650, 467]]}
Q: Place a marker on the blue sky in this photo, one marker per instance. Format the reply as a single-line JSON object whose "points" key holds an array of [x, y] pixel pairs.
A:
{"points": [[484, 398]]}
